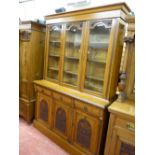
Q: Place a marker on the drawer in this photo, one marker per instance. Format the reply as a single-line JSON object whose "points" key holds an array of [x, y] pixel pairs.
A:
{"points": [[37, 88], [47, 92], [128, 125], [57, 96], [85, 107], [63, 99], [43, 90]]}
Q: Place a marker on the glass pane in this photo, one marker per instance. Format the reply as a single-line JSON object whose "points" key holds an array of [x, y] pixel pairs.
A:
{"points": [[54, 51], [72, 52], [99, 32]]}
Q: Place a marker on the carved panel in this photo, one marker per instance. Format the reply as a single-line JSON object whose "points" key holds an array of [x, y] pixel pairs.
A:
{"points": [[127, 149], [60, 123], [84, 133], [44, 110]]}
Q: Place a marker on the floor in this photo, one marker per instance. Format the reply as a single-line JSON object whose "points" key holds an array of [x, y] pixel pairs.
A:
{"points": [[33, 142]]}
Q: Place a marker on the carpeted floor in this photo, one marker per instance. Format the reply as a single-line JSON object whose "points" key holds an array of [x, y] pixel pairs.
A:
{"points": [[33, 142]]}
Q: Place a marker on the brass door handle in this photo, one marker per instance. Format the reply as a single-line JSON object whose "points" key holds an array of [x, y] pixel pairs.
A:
{"points": [[130, 126]]}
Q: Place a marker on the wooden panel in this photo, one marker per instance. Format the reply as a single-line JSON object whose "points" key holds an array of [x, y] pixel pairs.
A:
{"points": [[44, 109], [85, 107], [24, 55], [62, 120], [86, 129], [113, 65], [22, 109], [26, 109], [36, 59]]}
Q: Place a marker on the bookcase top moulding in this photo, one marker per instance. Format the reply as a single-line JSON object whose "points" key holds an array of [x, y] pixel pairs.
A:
{"points": [[113, 10]]}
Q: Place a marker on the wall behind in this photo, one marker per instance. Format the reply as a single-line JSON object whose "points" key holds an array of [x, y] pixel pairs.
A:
{"points": [[37, 9]]}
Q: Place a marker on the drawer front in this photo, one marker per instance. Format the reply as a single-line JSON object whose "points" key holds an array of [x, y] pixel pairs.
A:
{"points": [[63, 99], [57, 96], [37, 88], [85, 107], [128, 125], [43, 90]]}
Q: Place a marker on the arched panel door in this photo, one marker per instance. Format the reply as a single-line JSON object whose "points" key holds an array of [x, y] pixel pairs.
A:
{"points": [[86, 131], [44, 105], [62, 120], [44, 110]]}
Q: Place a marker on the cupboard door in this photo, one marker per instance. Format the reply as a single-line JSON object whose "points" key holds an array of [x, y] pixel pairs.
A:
{"points": [[98, 42], [44, 106], [73, 41], [122, 142], [62, 120], [86, 133], [54, 51]]}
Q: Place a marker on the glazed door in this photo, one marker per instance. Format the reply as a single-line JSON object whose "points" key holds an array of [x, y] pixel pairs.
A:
{"points": [[54, 45], [62, 120], [96, 54], [122, 142], [72, 53], [44, 107], [86, 133]]}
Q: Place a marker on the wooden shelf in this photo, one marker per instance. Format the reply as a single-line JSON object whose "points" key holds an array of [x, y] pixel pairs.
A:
{"points": [[94, 78], [70, 72], [53, 68], [98, 45], [93, 88], [98, 61], [54, 41], [54, 55], [73, 58], [75, 44]]}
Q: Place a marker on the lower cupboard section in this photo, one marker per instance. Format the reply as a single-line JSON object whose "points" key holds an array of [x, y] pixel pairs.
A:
{"points": [[76, 126]]}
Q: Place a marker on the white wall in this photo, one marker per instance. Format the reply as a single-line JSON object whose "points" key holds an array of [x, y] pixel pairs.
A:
{"points": [[37, 9]]}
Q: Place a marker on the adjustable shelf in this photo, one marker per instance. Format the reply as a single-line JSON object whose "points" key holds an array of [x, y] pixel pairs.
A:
{"points": [[72, 57], [98, 45], [70, 72], [54, 55], [94, 78], [53, 68], [97, 61]]}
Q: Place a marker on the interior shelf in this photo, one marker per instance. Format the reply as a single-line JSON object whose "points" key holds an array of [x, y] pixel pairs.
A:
{"points": [[72, 57], [54, 55], [98, 61], [53, 68], [98, 45], [70, 72], [94, 78], [55, 43], [75, 44], [92, 87]]}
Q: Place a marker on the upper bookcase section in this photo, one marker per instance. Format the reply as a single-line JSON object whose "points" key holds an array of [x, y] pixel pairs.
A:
{"points": [[83, 49]]}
